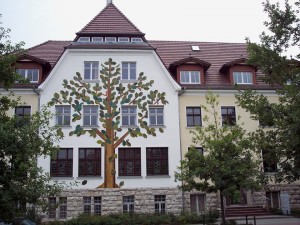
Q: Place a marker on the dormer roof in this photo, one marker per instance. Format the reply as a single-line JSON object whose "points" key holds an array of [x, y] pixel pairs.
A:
{"points": [[110, 21], [240, 61], [191, 61]]}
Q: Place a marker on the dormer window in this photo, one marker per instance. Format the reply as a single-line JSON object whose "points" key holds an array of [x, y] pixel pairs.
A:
{"points": [[84, 39], [242, 77], [190, 77], [30, 74], [110, 39], [136, 40], [97, 39], [123, 39]]}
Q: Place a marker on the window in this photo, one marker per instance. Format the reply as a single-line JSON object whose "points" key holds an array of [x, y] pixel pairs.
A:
{"points": [[190, 77], [30, 74], [136, 40], [197, 203], [228, 115], [97, 39], [91, 70], [129, 162], [23, 113], [90, 115], [129, 114], [156, 115], [157, 161], [195, 47], [199, 149], [242, 78], [84, 39], [128, 204], [193, 116], [52, 207], [87, 205], [269, 161], [123, 39], [160, 203], [110, 39], [63, 115], [63, 208], [274, 199], [62, 164], [267, 119], [97, 205], [90, 162], [128, 71]]}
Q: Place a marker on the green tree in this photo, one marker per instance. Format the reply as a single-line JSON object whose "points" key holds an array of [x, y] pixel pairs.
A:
{"points": [[228, 162], [110, 95], [282, 73], [8, 58], [22, 182]]}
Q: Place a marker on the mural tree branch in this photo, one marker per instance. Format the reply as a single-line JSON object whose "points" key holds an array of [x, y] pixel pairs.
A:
{"points": [[112, 97]]}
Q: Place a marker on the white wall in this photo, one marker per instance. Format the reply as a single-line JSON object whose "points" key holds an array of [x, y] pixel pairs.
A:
{"points": [[147, 61]]}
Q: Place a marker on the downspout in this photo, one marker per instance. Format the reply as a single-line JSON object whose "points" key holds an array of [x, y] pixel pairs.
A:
{"points": [[35, 90], [182, 192]]}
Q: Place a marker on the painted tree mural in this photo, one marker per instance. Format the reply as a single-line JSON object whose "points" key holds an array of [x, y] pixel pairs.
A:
{"points": [[113, 101]]}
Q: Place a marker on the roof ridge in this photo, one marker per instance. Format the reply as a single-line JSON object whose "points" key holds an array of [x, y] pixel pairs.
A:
{"points": [[219, 42]]}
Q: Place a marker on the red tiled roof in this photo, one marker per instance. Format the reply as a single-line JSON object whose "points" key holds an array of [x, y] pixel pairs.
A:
{"points": [[215, 53], [49, 51], [111, 21]]}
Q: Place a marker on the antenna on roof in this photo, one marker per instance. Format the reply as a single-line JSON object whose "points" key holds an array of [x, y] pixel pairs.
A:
{"points": [[109, 2]]}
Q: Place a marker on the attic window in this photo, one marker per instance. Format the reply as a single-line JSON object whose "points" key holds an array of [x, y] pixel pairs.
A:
{"points": [[136, 40], [195, 47], [97, 39], [123, 39], [84, 39], [110, 39]]}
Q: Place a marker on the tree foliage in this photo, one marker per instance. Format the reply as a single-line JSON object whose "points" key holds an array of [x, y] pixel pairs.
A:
{"points": [[22, 182], [228, 162], [110, 95], [8, 58], [281, 72]]}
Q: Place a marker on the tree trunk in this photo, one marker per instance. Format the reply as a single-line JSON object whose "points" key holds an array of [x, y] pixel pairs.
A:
{"points": [[109, 168], [222, 209]]}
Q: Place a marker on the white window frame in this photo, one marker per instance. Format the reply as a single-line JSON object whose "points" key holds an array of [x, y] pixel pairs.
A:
{"points": [[91, 70], [136, 40], [130, 115], [63, 208], [128, 204], [63, 114], [84, 39], [97, 39], [123, 39], [242, 77], [87, 112], [97, 205], [110, 39], [25, 73], [87, 205], [190, 77], [129, 71], [159, 202], [156, 116]]}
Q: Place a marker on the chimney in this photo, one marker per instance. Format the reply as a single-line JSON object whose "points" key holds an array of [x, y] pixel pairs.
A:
{"points": [[109, 2]]}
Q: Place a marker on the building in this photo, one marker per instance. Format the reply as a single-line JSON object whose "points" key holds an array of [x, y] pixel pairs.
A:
{"points": [[185, 71]]}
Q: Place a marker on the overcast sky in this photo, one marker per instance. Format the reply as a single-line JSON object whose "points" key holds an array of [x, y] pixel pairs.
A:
{"points": [[36, 21]]}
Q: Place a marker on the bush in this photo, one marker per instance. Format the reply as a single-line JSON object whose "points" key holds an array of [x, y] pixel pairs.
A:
{"points": [[296, 212], [139, 219]]}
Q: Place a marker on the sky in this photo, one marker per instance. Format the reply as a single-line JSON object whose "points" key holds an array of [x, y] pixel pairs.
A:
{"points": [[37, 21]]}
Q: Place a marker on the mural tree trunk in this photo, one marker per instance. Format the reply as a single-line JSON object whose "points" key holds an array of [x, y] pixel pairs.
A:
{"points": [[110, 94]]}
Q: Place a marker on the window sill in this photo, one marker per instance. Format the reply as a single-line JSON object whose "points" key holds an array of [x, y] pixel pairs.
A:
{"points": [[91, 81], [130, 177], [157, 126], [129, 126], [193, 127], [90, 126], [64, 126], [157, 176], [128, 81], [88, 177], [62, 178]]}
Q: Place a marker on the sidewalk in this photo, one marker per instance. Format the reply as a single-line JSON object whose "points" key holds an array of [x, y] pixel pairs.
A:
{"points": [[269, 220]]}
